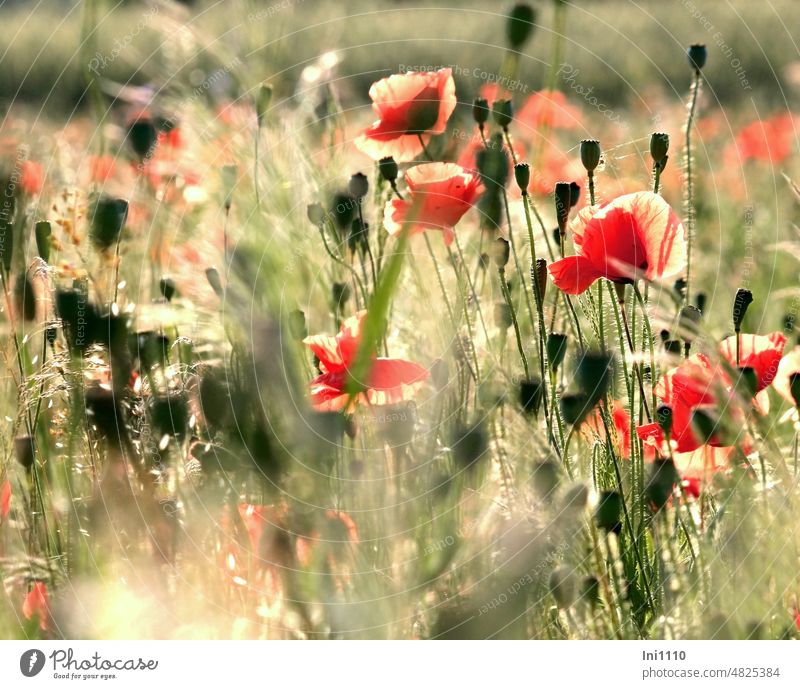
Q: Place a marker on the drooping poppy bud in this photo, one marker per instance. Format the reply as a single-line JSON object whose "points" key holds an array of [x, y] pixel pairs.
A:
{"points": [[746, 384], [680, 287], [590, 591], [492, 164], [480, 111], [522, 173], [501, 253], [167, 287], [609, 511], [697, 54], [387, 167], [358, 237], [689, 321], [546, 478], [704, 425], [107, 217], [520, 25], [659, 147], [794, 388], [700, 302], [212, 275], [358, 185], [742, 300], [563, 587], [575, 407], [661, 483], [530, 395], [539, 276], [43, 240], [664, 419], [556, 350], [340, 293], [594, 374], [672, 347], [503, 113], [342, 211], [590, 154], [169, 415]]}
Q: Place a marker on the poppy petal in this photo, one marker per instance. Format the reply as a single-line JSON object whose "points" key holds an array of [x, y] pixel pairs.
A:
{"points": [[573, 274]]}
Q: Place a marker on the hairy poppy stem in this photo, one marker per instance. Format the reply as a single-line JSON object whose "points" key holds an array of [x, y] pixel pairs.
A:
{"points": [[507, 296], [424, 148], [690, 210]]}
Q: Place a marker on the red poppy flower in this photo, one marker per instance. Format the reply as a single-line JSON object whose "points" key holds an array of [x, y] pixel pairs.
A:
{"points": [[621, 420], [762, 353], [408, 106], [633, 236], [37, 604], [390, 381], [5, 499], [548, 109], [771, 140], [789, 365], [32, 177], [439, 194]]}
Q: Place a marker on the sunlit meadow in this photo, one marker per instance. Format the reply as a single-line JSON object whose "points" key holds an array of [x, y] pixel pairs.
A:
{"points": [[465, 322]]}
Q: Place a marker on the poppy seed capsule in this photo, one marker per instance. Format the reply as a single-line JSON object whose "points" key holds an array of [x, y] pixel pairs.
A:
{"points": [[503, 113], [501, 253], [315, 213], [742, 300], [563, 199], [539, 276], [480, 111], [556, 350], [659, 146], [522, 173], [520, 25], [387, 167], [590, 154], [530, 395], [492, 164], [697, 55], [358, 185]]}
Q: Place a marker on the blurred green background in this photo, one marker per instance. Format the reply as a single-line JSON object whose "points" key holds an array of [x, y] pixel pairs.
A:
{"points": [[618, 45]]}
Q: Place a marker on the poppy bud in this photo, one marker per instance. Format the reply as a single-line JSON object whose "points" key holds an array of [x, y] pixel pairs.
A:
{"points": [[563, 197], [169, 415], [522, 173], [556, 350], [503, 113], [340, 291], [501, 253], [167, 287], [358, 185], [590, 154], [530, 395], [742, 300], [43, 240], [680, 287], [664, 335], [609, 511], [575, 194], [661, 483], [563, 586], [520, 25], [143, 137], [492, 164], [659, 146], [469, 445], [262, 102], [107, 217], [664, 419], [212, 275], [24, 451], [594, 374], [316, 214], [297, 324], [689, 323], [697, 55], [747, 383], [343, 210], [502, 316], [575, 407], [539, 276], [480, 111], [388, 169], [794, 388], [590, 591]]}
